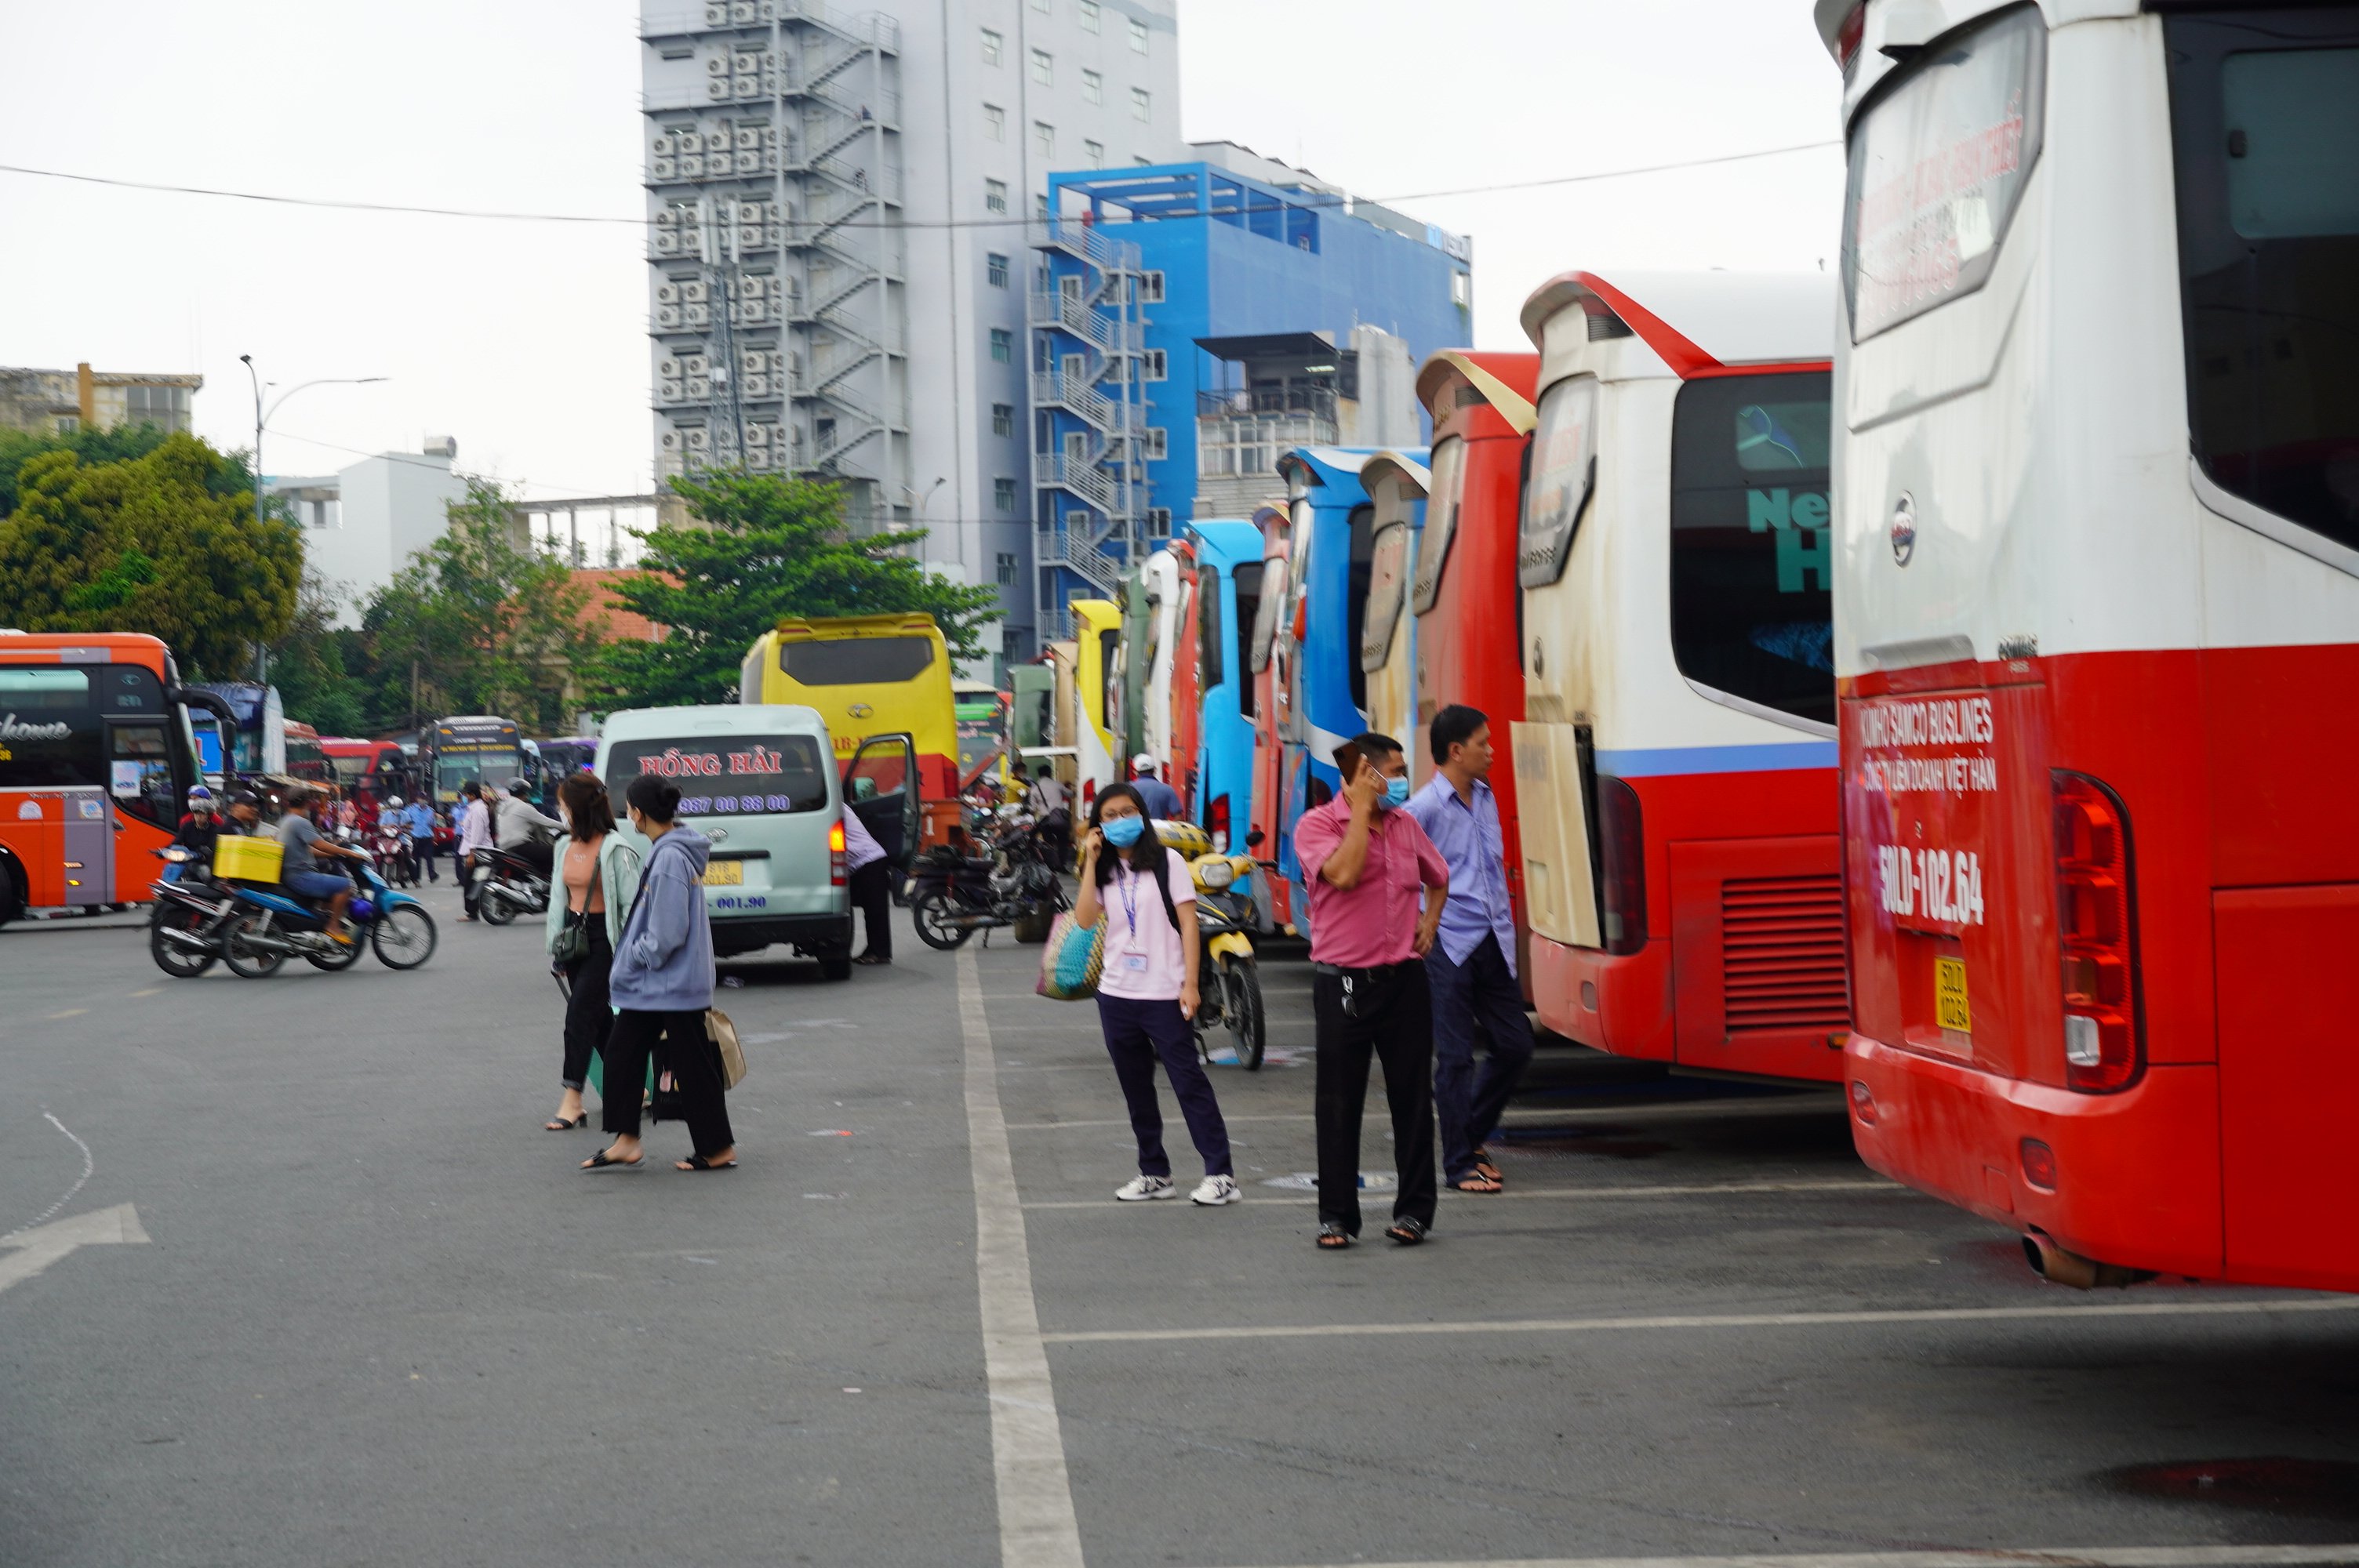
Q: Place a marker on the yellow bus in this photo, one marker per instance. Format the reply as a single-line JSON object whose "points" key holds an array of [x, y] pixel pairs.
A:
{"points": [[1097, 631], [883, 684]]}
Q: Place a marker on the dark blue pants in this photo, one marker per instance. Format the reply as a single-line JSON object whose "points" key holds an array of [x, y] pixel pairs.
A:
{"points": [[1136, 1033], [1477, 997]]}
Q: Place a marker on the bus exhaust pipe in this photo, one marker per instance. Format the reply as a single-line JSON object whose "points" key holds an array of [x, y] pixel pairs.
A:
{"points": [[2057, 1267]]}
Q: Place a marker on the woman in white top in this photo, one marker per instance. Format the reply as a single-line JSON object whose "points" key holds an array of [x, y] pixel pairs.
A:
{"points": [[1147, 992]]}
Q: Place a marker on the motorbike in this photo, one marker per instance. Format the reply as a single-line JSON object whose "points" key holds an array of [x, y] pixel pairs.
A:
{"points": [[392, 847], [268, 926], [954, 895], [185, 924], [510, 885], [1228, 979]]}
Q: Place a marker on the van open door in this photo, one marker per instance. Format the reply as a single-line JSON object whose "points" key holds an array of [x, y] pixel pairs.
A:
{"points": [[881, 787]]}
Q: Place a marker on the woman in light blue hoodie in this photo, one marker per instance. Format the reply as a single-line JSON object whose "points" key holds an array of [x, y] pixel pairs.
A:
{"points": [[661, 985]]}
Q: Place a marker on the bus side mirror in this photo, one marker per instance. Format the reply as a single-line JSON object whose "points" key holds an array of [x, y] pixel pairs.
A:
{"points": [[1254, 839]]}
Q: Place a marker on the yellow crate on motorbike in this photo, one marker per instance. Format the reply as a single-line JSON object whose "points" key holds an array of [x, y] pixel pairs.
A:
{"points": [[247, 860]]}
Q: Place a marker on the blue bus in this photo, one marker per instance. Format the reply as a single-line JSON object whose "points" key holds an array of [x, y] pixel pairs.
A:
{"points": [[1335, 536], [1396, 482], [1228, 602]]}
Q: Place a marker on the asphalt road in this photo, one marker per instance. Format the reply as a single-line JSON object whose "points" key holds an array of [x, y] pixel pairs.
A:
{"points": [[378, 1317]]}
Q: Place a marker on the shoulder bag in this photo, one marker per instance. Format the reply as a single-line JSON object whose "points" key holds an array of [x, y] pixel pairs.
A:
{"points": [[572, 942]]}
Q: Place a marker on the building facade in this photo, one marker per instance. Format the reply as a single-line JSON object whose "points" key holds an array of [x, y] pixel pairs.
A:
{"points": [[60, 401], [838, 250], [362, 524], [1190, 321]]}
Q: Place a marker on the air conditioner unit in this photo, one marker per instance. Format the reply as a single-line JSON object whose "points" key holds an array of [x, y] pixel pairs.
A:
{"points": [[667, 367], [773, 211], [749, 236], [699, 389], [757, 386], [668, 390], [749, 163], [742, 11], [693, 364], [716, 15], [748, 86], [717, 89], [698, 441], [757, 436], [716, 141], [666, 243], [749, 138], [669, 440], [692, 166], [668, 316], [717, 64], [698, 314], [661, 145], [663, 169], [692, 292], [667, 293]]}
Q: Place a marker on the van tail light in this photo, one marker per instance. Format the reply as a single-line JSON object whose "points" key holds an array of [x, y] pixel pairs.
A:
{"points": [[1622, 855], [836, 875], [1848, 35], [2095, 938], [1216, 823]]}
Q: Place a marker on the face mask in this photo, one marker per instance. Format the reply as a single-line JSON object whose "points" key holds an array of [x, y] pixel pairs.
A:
{"points": [[1397, 792], [1122, 832]]}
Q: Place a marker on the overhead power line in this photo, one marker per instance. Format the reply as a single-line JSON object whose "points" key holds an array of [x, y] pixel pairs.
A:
{"points": [[1315, 199]]}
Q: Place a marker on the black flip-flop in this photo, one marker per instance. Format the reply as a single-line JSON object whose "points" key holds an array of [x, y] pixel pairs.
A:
{"points": [[559, 1124], [698, 1163], [599, 1161], [1407, 1230], [1332, 1236]]}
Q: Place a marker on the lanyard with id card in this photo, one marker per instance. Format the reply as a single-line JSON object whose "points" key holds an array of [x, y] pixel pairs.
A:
{"points": [[1134, 961]]}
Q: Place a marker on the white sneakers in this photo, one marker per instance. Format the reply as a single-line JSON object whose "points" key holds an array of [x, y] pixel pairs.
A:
{"points": [[1212, 1193]]}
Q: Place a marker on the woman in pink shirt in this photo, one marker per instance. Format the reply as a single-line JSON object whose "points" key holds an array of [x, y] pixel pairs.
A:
{"points": [[1147, 992]]}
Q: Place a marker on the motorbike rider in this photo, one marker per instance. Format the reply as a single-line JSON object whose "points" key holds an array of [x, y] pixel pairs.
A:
{"points": [[301, 841], [394, 821], [200, 826], [244, 813], [520, 829]]}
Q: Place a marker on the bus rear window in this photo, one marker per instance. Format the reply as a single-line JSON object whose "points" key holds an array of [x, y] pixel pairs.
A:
{"points": [[1563, 458], [726, 775], [1449, 473], [1248, 581], [1209, 662], [856, 661], [1355, 600], [2265, 129], [1389, 567], [1751, 544]]}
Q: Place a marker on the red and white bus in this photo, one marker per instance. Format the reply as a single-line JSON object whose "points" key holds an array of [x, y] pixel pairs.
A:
{"points": [[1675, 766], [2097, 614], [97, 759]]}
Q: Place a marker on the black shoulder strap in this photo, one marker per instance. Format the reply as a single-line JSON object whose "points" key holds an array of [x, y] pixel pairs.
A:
{"points": [[1163, 886]]}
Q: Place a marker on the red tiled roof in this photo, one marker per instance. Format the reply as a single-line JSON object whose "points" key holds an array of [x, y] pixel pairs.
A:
{"points": [[607, 621]]}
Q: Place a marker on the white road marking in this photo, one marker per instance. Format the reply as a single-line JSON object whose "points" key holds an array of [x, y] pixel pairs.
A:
{"points": [[1996, 1557], [2273, 1308], [1037, 1528], [41, 1245], [1526, 1118], [1699, 1189], [89, 1163], [69, 1012]]}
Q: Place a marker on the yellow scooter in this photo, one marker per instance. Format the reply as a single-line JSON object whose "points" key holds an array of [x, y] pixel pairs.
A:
{"points": [[1228, 981]]}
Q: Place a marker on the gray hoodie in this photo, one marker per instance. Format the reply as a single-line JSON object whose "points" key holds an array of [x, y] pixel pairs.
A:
{"points": [[663, 962]]}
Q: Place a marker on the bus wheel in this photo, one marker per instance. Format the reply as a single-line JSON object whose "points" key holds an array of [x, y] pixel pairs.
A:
{"points": [[936, 927], [835, 969], [12, 894]]}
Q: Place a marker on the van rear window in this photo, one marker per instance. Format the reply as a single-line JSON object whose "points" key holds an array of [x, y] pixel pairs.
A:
{"points": [[725, 775], [856, 661]]}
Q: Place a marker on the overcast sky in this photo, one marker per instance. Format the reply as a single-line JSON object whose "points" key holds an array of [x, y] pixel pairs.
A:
{"points": [[526, 340]]}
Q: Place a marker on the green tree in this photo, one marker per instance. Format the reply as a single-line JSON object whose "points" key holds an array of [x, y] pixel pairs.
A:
{"points": [[312, 664], [122, 444], [764, 549], [477, 622], [164, 543]]}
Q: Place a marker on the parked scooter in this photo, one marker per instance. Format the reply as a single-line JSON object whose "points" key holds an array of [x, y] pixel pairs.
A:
{"points": [[1228, 979], [954, 895], [510, 885], [269, 926]]}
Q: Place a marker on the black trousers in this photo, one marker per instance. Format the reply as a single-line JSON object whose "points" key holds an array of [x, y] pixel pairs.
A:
{"points": [[588, 1014], [681, 1047], [1137, 1034], [537, 854], [1396, 1027], [872, 894]]}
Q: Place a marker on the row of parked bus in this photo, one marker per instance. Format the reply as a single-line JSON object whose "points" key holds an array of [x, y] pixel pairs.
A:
{"points": [[1922, 678]]}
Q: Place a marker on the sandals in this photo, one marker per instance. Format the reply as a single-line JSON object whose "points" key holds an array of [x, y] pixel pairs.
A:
{"points": [[1476, 1182], [1488, 1170], [599, 1161], [559, 1124], [1332, 1236], [1408, 1230], [698, 1163]]}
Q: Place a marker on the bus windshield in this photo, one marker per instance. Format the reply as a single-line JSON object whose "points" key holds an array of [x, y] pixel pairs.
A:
{"points": [[2267, 158], [89, 727], [739, 775], [1752, 546], [855, 661]]}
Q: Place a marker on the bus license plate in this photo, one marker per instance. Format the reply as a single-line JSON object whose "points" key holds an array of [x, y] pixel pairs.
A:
{"points": [[732, 873], [1949, 995]]}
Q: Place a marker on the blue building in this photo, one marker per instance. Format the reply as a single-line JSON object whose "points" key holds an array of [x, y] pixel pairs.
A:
{"points": [[1190, 323]]}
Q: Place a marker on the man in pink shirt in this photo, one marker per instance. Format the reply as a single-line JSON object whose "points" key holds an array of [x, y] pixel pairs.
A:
{"points": [[1367, 862]]}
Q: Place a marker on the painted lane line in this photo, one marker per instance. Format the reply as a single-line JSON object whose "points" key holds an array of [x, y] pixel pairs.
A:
{"points": [[1699, 1189], [89, 1163], [1719, 1320], [36, 1248], [69, 1012], [1037, 1528], [151, 991], [1996, 1557], [1526, 1119]]}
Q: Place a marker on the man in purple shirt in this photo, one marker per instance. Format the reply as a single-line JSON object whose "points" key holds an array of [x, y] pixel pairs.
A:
{"points": [[1472, 966], [1368, 863]]}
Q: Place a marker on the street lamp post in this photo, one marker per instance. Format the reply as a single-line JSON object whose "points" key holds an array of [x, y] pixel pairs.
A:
{"points": [[261, 416]]}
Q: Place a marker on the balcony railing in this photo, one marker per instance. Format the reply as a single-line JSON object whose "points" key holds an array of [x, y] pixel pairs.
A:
{"points": [[1319, 401]]}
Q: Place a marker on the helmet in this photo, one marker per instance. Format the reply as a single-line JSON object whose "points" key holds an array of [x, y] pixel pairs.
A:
{"points": [[393, 803], [200, 795], [246, 798]]}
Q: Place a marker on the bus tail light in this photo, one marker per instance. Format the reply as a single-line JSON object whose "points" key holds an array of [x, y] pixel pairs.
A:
{"points": [[1622, 856], [1848, 35], [1216, 823], [836, 875], [2095, 939], [2038, 1162]]}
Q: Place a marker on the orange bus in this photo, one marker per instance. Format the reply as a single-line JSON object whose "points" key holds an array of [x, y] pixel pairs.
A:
{"points": [[97, 759]]}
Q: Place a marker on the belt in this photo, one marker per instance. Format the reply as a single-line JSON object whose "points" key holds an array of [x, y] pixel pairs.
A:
{"points": [[1372, 970]]}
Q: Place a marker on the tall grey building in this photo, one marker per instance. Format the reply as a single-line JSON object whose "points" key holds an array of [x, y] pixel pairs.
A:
{"points": [[838, 252]]}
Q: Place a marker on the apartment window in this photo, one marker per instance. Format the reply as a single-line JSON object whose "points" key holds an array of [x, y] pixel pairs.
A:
{"points": [[1093, 87], [1158, 522], [1002, 494], [992, 47], [1462, 289], [1159, 365], [994, 270], [1003, 418], [1040, 205], [1158, 443], [1142, 106], [1044, 139], [995, 196], [1003, 346], [1087, 10], [1138, 35], [1044, 68], [1006, 564], [1095, 153], [995, 121], [1150, 287]]}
